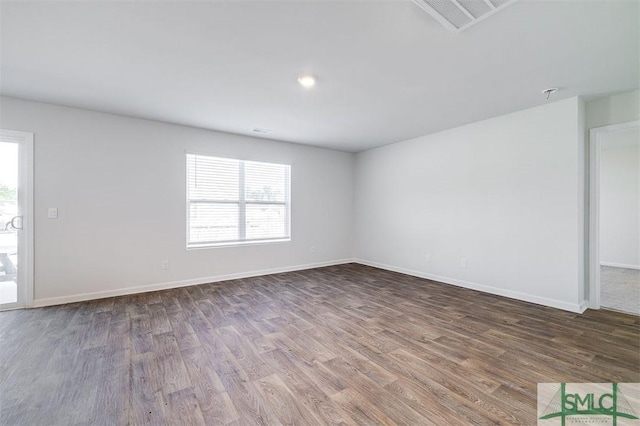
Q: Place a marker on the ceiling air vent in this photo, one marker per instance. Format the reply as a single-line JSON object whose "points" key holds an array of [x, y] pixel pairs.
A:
{"points": [[458, 15]]}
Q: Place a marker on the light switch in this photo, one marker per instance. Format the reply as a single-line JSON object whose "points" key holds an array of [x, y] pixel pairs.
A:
{"points": [[52, 213]]}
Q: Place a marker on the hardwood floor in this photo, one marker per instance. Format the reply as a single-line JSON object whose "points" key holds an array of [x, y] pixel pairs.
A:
{"points": [[346, 344]]}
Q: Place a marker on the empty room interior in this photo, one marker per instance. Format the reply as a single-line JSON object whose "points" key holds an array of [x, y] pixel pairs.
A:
{"points": [[412, 212]]}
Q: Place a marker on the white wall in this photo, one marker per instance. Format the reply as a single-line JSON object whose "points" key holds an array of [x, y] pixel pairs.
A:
{"points": [[506, 194], [607, 110], [613, 109], [119, 185], [620, 199]]}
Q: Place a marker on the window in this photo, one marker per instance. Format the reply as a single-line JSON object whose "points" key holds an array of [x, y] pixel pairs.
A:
{"points": [[234, 201]]}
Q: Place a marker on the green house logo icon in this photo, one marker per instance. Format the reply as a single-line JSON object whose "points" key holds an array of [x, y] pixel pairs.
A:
{"points": [[611, 403]]}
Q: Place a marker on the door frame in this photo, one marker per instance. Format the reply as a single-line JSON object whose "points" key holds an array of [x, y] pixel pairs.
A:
{"points": [[25, 208], [595, 144]]}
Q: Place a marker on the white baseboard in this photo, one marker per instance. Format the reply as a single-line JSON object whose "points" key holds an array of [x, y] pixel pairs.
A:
{"points": [[559, 304], [619, 265], [584, 305], [38, 303], [204, 280]]}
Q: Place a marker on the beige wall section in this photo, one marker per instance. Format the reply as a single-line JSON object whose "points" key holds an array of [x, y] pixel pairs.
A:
{"points": [[613, 109], [119, 185]]}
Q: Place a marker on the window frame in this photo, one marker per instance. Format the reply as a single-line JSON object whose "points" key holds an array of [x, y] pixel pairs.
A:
{"points": [[242, 204]]}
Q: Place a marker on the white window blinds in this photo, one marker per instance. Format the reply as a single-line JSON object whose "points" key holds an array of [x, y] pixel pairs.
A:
{"points": [[234, 201]]}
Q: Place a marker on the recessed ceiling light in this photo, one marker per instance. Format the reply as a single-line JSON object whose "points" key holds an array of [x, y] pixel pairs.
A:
{"points": [[307, 81]]}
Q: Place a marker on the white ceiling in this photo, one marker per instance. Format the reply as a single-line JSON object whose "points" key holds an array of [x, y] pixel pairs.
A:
{"points": [[387, 71]]}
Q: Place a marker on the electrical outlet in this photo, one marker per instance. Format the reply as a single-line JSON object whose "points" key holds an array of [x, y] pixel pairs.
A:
{"points": [[463, 262], [165, 265], [427, 257]]}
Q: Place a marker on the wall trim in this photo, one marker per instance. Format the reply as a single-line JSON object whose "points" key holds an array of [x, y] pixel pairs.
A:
{"points": [[553, 303], [584, 305], [25, 283], [619, 265], [82, 297]]}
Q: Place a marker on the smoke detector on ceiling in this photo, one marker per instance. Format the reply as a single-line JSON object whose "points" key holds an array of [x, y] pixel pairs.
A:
{"points": [[458, 15], [548, 92], [261, 131]]}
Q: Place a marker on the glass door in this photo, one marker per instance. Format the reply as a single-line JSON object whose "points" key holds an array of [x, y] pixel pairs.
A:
{"points": [[15, 219], [8, 223]]}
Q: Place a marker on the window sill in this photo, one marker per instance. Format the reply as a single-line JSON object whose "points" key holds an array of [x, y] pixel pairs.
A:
{"points": [[236, 244]]}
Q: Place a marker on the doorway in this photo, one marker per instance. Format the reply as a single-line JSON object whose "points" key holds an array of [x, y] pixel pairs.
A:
{"points": [[16, 219], [615, 218]]}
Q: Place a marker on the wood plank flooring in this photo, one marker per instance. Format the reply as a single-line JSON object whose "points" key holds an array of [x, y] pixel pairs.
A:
{"points": [[345, 345]]}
